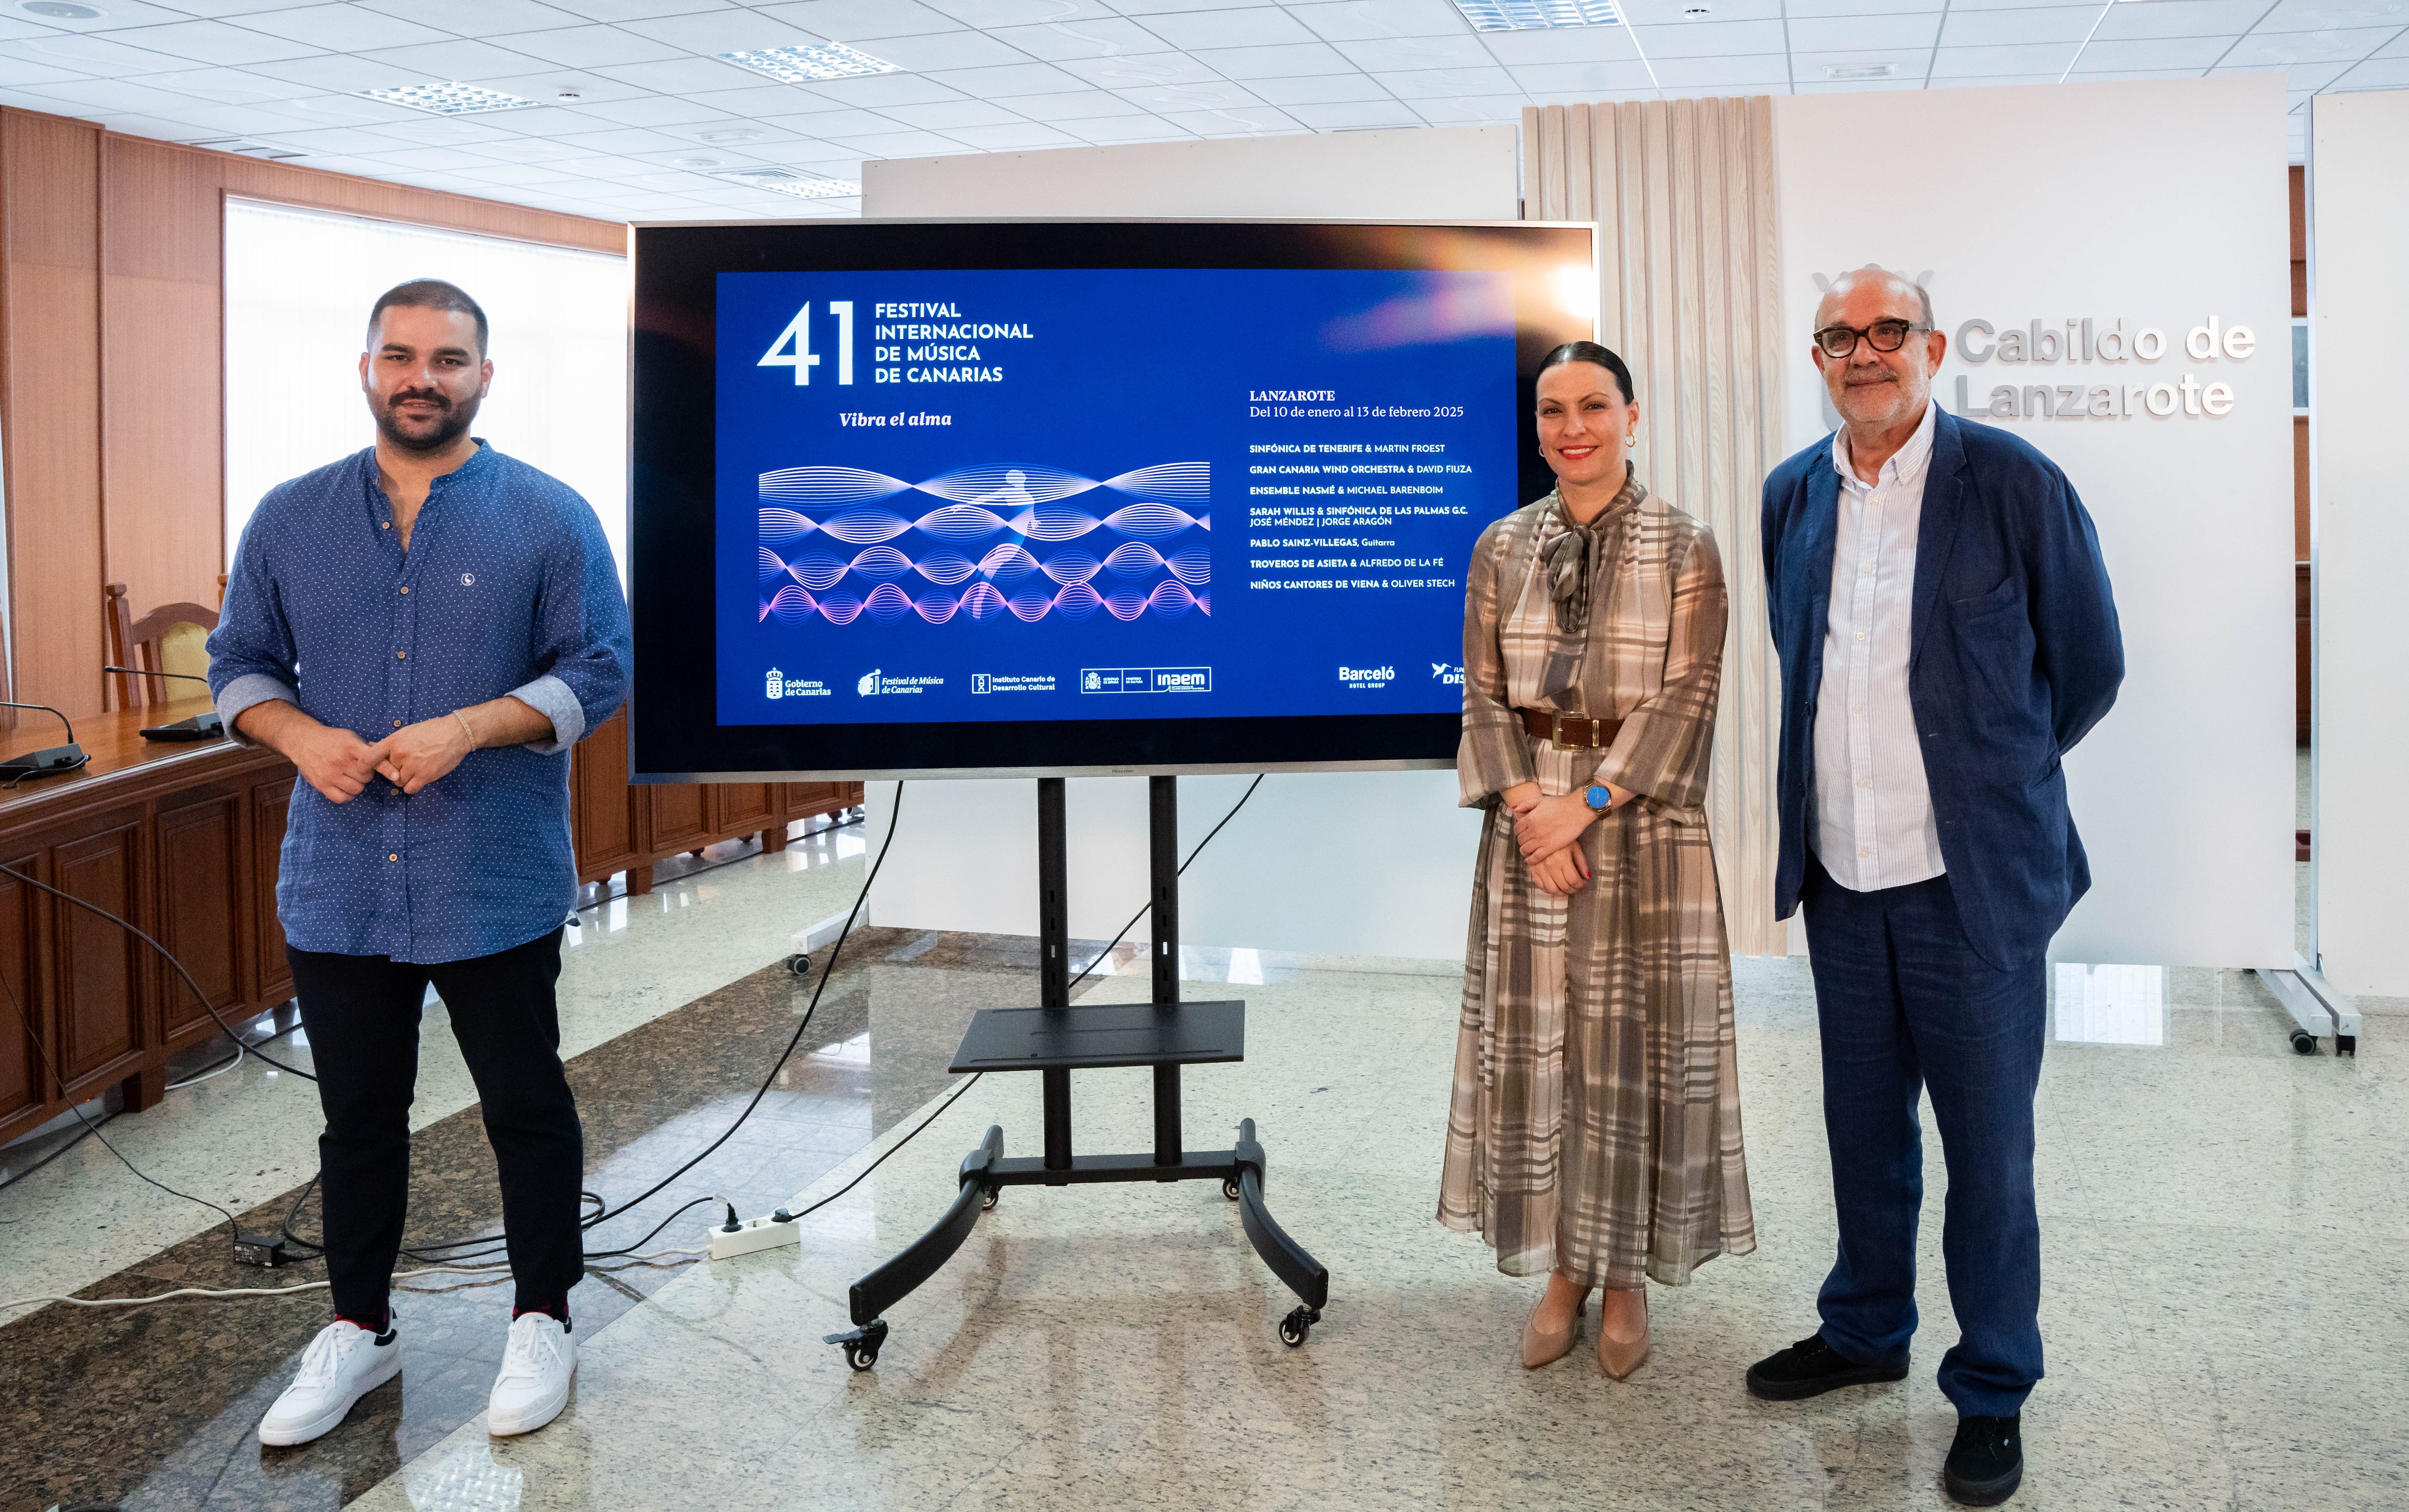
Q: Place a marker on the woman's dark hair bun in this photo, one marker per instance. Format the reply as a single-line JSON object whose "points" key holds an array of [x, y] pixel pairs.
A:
{"points": [[1572, 351]]}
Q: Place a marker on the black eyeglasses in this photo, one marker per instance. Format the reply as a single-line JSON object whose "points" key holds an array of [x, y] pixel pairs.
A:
{"points": [[1882, 336]]}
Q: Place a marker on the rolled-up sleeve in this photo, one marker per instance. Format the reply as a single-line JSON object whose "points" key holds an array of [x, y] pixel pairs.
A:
{"points": [[582, 643], [251, 652]]}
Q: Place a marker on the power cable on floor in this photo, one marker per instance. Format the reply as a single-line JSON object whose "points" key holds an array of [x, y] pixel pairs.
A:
{"points": [[86, 1132]]}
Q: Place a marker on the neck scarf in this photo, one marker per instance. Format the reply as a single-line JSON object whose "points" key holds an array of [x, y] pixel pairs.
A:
{"points": [[1568, 559]]}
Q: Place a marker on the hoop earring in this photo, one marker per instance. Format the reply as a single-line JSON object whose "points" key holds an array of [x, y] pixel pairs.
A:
{"points": [[1631, 439]]}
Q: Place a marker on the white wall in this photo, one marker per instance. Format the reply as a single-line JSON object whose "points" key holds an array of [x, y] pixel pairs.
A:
{"points": [[1358, 863], [2161, 202], [1472, 171], [2359, 307]]}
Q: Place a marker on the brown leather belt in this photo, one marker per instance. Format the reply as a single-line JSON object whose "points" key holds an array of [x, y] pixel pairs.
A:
{"points": [[1570, 732]]}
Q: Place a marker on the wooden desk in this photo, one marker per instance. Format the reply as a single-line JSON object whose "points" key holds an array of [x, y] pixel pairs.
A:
{"points": [[182, 839]]}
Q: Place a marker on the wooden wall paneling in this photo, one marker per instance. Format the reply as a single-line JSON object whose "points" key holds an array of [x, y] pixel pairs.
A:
{"points": [[50, 402], [200, 911], [677, 820], [99, 973], [737, 808], [23, 1084], [291, 184], [602, 805], [270, 803]]}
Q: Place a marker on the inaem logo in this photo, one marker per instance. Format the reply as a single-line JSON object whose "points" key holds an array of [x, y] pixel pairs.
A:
{"points": [[777, 685], [869, 683], [1449, 675]]}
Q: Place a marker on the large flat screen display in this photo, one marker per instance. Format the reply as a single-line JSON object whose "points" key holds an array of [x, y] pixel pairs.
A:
{"points": [[1047, 496]]}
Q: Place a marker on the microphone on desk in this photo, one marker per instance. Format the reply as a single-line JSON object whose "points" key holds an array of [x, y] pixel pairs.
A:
{"points": [[43, 763], [207, 727]]}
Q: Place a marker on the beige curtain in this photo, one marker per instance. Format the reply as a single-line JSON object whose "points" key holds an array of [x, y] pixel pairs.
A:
{"points": [[1683, 192]]}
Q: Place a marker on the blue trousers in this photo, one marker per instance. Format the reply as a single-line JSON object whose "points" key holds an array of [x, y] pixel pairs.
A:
{"points": [[1905, 1004]]}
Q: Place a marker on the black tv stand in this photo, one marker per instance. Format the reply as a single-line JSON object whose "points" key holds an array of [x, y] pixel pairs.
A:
{"points": [[1055, 1039]]}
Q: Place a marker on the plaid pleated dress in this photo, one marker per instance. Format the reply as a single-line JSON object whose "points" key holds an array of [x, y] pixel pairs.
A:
{"points": [[1594, 1125]]}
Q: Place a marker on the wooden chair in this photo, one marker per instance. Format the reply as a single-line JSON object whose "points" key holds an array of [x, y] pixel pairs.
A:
{"points": [[170, 639]]}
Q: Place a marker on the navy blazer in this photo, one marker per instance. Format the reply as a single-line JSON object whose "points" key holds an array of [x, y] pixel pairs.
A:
{"points": [[2015, 655]]}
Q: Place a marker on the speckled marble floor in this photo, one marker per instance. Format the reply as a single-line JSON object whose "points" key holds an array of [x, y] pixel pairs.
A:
{"points": [[2222, 1223]]}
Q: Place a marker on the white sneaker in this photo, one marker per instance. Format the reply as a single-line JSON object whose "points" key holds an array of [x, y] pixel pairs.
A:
{"points": [[537, 1367], [343, 1365]]}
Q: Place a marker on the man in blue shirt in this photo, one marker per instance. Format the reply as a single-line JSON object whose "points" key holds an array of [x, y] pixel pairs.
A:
{"points": [[423, 629]]}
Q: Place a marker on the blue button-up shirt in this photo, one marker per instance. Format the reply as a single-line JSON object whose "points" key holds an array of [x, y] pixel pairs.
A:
{"points": [[508, 587]]}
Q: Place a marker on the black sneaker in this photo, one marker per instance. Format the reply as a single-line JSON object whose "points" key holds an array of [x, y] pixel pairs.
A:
{"points": [[1811, 1367], [1986, 1463]]}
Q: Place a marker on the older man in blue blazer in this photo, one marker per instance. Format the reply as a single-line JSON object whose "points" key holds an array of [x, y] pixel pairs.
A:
{"points": [[1946, 635]]}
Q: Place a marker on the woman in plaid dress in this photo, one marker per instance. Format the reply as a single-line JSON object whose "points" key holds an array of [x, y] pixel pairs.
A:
{"points": [[1594, 1135]]}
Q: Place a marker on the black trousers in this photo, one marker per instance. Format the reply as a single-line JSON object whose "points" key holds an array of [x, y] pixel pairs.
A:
{"points": [[361, 1014]]}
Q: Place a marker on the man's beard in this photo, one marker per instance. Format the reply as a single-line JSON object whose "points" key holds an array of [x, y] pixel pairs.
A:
{"points": [[1896, 398], [450, 426]]}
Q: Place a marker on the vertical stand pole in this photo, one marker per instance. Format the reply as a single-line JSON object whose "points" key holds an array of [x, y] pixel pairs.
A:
{"points": [[1054, 958], [1162, 836]]}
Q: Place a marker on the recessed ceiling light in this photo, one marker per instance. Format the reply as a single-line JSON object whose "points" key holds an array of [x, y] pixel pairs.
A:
{"points": [[248, 148], [449, 99], [717, 139], [800, 185], [61, 9], [1533, 15], [1860, 70], [568, 95], [696, 163], [804, 66]]}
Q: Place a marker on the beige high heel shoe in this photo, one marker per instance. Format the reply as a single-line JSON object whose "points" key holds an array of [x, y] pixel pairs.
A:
{"points": [[1616, 1357], [1540, 1347]]}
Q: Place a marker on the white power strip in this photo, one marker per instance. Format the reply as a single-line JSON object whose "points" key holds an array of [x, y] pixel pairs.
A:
{"points": [[750, 1235]]}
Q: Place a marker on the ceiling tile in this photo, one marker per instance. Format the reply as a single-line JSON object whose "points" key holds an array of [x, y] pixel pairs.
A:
{"points": [[1857, 86], [1994, 81], [1021, 138], [681, 76], [1573, 44], [1322, 89], [18, 72], [1442, 84], [1109, 37], [1137, 128], [466, 61], [1838, 34], [658, 110], [899, 144], [346, 140], [213, 41], [2376, 73], [2274, 49], [344, 109], [1756, 72], [946, 115], [1219, 96], [2157, 54], [1974, 62], [1290, 61], [826, 123], [1644, 14], [476, 18], [340, 28], [1398, 53], [716, 32], [619, 10], [986, 14], [876, 91], [1003, 83], [2397, 47], [1139, 72], [549, 86], [117, 95], [929, 51], [1473, 109], [1711, 39], [222, 86], [1795, 8], [2182, 18], [1558, 76], [761, 97], [115, 15], [441, 131], [548, 121], [1905, 62], [859, 21], [1356, 115], [2309, 76], [626, 141], [1248, 27], [95, 57], [1237, 121], [432, 158], [1372, 21], [515, 175], [1077, 105], [2007, 28], [586, 46], [2319, 15], [1158, 8], [332, 73]]}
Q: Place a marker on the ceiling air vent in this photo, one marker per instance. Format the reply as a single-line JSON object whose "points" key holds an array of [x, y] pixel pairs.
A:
{"points": [[249, 149], [1861, 70], [801, 185]]}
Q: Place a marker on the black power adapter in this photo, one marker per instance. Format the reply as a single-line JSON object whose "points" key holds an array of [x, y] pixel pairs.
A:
{"points": [[265, 1250]]}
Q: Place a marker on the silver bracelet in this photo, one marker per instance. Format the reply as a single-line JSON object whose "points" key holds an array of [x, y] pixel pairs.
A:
{"points": [[468, 726]]}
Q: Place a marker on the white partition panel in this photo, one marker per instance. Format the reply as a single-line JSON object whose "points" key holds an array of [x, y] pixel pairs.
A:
{"points": [[2062, 214], [1358, 863], [2358, 308]]}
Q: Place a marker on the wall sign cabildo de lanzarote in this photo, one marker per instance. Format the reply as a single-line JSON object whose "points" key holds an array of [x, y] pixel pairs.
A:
{"points": [[2086, 351]]}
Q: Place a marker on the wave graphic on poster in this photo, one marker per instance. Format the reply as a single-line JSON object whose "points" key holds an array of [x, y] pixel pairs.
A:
{"points": [[983, 502]]}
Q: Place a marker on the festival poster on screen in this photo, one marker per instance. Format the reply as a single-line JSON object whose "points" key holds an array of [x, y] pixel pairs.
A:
{"points": [[1014, 495]]}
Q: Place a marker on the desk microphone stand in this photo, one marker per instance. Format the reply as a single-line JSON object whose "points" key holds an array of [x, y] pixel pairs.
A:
{"points": [[1054, 1038]]}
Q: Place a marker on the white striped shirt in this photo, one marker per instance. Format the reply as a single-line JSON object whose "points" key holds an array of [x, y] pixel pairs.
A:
{"points": [[1873, 822]]}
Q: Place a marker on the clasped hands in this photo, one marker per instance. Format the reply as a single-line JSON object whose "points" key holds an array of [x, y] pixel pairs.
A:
{"points": [[340, 765], [1549, 831]]}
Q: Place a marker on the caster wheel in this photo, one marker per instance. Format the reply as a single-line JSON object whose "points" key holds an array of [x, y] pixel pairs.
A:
{"points": [[1297, 1327], [2346, 1044], [994, 1195], [860, 1357], [1230, 1190], [800, 964], [2304, 1043]]}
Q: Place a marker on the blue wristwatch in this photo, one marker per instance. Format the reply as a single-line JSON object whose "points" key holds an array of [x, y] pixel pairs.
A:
{"points": [[1599, 798]]}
